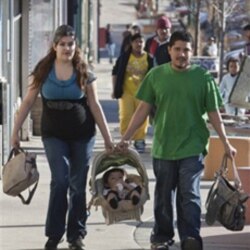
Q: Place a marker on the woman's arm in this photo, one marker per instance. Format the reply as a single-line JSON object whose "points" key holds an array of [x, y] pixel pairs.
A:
{"points": [[22, 114], [98, 114]]}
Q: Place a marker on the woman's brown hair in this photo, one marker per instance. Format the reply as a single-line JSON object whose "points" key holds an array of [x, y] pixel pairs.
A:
{"points": [[44, 66]]}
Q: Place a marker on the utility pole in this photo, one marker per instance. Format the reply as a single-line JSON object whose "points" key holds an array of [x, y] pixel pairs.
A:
{"points": [[98, 28], [197, 27], [222, 35]]}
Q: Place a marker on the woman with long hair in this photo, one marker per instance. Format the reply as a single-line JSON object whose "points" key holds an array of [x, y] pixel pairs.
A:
{"points": [[70, 111]]}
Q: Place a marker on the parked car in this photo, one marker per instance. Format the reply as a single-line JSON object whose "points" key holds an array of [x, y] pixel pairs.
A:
{"points": [[234, 53], [207, 62]]}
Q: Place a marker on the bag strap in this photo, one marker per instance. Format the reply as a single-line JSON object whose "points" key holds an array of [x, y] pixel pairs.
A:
{"points": [[14, 151], [30, 196], [224, 170], [237, 180]]}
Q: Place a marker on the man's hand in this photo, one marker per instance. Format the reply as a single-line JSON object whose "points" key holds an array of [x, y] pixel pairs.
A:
{"points": [[122, 146], [230, 151]]}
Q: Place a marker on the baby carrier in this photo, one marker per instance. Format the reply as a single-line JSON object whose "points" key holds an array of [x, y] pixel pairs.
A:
{"points": [[103, 162]]}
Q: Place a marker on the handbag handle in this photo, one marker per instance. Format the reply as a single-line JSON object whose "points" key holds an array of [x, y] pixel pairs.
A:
{"points": [[15, 151], [224, 169]]}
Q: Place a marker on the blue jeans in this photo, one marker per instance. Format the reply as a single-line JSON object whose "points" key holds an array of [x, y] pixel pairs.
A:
{"points": [[69, 165], [177, 180], [111, 51]]}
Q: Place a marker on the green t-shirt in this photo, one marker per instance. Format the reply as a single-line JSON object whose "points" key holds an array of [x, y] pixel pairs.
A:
{"points": [[182, 100]]}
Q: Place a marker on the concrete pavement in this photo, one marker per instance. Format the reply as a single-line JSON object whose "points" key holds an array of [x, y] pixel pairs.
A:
{"points": [[22, 227]]}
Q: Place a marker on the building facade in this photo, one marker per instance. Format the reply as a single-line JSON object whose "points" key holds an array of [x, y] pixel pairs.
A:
{"points": [[26, 29]]}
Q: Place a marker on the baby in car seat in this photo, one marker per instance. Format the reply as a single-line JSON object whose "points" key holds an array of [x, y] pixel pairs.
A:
{"points": [[118, 188]]}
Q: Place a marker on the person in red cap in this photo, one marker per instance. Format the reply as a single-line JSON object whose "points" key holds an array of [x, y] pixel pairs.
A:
{"points": [[157, 46]]}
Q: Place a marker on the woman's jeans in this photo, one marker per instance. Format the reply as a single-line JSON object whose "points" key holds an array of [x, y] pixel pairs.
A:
{"points": [[177, 180], [69, 164]]}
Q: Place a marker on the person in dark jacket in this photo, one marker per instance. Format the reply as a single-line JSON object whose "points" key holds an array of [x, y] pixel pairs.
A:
{"points": [[110, 45], [127, 75], [157, 45]]}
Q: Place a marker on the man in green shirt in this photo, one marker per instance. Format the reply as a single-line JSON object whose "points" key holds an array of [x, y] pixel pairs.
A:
{"points": [[183, 95]]}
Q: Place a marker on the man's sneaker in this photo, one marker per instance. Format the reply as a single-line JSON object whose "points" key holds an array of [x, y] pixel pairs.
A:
{"points": [[52, 244], [77, 244], [159, 246], [140, 146], [191, 244]]}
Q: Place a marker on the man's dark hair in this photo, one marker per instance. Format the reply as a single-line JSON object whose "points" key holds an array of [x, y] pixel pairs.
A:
{"points": [[246, 27], [107, 173], [136, 36], [180, 36]]}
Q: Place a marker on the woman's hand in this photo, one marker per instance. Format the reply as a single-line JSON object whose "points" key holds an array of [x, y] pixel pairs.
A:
{"points": [[109, 147], [15, 140]]}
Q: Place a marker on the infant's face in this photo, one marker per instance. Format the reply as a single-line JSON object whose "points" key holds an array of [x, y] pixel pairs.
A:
{"points": [[114, 178]]}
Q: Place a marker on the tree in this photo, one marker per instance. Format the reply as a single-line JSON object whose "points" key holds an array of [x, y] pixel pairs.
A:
{"points": [[194, 14], [223, 8]]}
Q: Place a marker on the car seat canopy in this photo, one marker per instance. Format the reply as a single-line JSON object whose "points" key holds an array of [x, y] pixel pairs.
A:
{"points": [[101, 163]]}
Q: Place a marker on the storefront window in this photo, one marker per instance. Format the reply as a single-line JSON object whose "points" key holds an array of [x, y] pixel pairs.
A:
{"points": [[42, 23], [45, 16]]}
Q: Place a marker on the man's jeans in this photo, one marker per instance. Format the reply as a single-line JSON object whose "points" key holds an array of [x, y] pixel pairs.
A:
{"points": [[182, 176], [111, 51], [69, 164]]}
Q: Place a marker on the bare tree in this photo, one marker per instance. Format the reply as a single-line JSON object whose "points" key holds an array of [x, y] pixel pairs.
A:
{"points": [[223, 8], [197, 27], [194, 14]]}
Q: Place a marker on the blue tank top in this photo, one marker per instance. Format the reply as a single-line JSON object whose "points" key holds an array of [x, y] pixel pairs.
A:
{"points": [[54, 89], [66, 114]]}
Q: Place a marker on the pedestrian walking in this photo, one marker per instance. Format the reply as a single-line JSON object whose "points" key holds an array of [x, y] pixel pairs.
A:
{"points": [[127, 31], [70, 111], [227, 84], [182, 93], [110, 45], [127, 75], [157, 45], [126, 42], [210, 49]]}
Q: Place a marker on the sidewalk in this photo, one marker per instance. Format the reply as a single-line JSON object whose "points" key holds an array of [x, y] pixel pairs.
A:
{"points": [[22, 227]]}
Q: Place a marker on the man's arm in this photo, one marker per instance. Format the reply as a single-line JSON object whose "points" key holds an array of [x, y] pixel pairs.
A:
{"points": [[137, 120], [217, 123]]}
